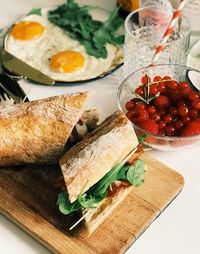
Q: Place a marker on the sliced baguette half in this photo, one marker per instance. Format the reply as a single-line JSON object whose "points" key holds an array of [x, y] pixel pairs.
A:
{"points": [[37, 131], [87, 162]]}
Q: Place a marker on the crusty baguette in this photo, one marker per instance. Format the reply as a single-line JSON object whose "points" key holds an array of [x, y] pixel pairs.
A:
{"points": [[37, 131], [96, 216], [87, 162]]}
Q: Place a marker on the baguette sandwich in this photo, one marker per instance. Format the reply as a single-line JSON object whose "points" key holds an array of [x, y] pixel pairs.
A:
{"points": [[96, 174], [37, 131]]}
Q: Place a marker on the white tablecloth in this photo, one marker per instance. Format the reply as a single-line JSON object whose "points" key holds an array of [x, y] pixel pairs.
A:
{"points": [[177, 230]]}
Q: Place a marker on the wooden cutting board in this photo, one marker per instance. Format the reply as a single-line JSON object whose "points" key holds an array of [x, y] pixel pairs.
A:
{"points": [[28, 197]]}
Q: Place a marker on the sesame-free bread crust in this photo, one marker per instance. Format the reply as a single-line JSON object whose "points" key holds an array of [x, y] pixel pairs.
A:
{"points": [[96, 216], [87, 162], [37, 131]]}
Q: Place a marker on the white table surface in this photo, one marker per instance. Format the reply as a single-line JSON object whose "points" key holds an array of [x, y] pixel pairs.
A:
{"points": [[177, 230]]}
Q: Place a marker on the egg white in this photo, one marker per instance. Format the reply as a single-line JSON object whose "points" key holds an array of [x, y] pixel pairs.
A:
{"points": [[37, 52]]}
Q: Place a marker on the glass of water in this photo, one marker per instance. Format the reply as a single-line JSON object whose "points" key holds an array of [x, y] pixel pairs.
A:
{"points": [[144, 29]]}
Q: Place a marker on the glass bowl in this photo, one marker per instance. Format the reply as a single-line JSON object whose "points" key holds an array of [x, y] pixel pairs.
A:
{"points": [[126, 93]]}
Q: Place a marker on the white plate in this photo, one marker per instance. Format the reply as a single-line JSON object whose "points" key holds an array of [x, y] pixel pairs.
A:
{"points": [[194, 56], [100, 14]]}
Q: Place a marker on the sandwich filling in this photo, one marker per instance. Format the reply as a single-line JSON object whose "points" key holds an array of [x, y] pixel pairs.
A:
{"points": [[120, 176]]}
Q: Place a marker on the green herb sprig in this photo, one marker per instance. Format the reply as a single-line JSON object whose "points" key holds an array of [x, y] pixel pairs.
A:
{"points": [[35, 12]]}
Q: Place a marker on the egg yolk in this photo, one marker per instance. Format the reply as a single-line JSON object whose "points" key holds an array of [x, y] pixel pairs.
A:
{"points": [[67, 61], [27, 30]]}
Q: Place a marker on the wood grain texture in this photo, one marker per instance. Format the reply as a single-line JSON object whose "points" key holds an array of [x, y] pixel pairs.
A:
{"points": [[28, 196]]}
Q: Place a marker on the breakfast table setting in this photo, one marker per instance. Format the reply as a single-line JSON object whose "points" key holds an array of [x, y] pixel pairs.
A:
{"points": [[175, 229]]}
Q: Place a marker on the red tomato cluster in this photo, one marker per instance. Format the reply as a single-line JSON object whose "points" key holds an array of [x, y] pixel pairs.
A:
{"points": [[165, 107]]}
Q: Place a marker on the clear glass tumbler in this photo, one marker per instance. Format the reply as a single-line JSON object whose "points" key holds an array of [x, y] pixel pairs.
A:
{"points": [[192, 12], [144, 29]]}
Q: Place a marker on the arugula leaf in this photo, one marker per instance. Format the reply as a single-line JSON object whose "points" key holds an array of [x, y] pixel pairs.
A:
{"points": [[105, 33], [118, 172], [72, 4], [35, 11], [135, 173], [65, 206], [92, 34], [89, 201], [94, 51], [141, 138]]}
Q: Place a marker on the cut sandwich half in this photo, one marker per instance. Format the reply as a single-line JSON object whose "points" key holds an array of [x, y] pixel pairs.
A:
{"points": [[37, 131], [96, 172]]}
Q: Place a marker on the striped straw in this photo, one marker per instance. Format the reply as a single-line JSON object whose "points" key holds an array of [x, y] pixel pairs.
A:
{"points": [[168, 32]]}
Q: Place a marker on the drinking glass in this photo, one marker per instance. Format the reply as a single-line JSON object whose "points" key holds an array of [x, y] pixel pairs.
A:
{"points": [[144, 29], [192, 12]]}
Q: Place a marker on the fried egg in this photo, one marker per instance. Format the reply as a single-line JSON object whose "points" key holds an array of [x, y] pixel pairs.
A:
{"points": [[46, 47]]}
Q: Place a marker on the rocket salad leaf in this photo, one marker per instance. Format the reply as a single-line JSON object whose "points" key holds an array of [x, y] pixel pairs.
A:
{"points": [[141, 138], [106, 32], [35, 11], [80, 25], [135, 173], [101, 187], [65, 206]]}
